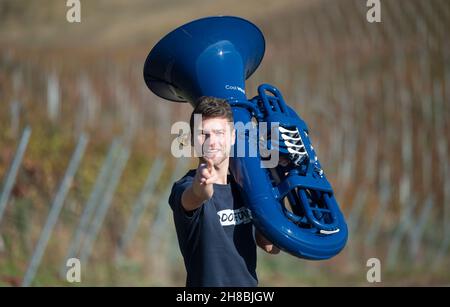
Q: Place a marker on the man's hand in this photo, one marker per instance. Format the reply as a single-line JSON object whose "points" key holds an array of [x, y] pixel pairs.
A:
{"points": [[202, 187], [204, 179], [265, 244]]}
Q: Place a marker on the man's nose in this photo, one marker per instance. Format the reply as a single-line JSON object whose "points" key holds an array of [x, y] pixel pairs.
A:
{"points": [[213, 140]]}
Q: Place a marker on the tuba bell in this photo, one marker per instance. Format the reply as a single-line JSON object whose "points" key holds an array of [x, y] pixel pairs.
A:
{"points": [[292, 204]]}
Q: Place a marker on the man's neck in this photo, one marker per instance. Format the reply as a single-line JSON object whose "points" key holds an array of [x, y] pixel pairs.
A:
{"points": [[222, 171]]}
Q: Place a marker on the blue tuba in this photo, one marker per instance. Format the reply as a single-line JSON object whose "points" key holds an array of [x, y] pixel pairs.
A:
{"points": [[292, 203]]}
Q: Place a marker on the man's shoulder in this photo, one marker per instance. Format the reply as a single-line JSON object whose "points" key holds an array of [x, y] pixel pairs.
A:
{"points": [[188, 177], [179, 186]]}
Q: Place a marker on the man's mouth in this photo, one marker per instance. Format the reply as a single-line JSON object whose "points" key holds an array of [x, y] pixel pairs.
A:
{"points": [[211, 152]]}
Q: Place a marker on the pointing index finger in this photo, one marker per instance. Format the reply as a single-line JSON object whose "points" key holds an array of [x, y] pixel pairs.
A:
{"points": [[210, 164]]}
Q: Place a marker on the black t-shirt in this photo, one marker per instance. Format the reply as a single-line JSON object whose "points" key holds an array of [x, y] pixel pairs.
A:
{"points": [[216, 240]]}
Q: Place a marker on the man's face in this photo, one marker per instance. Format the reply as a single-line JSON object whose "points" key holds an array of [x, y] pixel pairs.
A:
{"points": [[215, 136]]}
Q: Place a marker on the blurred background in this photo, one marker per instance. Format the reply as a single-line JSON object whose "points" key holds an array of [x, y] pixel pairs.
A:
{"points": [[85, 164]]}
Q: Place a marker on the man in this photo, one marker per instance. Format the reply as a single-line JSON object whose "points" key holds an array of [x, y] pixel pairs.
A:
{"points": [[214, 228]]}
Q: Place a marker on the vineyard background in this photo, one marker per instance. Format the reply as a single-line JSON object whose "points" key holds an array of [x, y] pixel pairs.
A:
{"points": [[84, 163]]}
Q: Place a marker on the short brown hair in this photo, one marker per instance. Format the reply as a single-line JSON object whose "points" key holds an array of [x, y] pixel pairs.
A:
{"points": [[211, 107]]}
